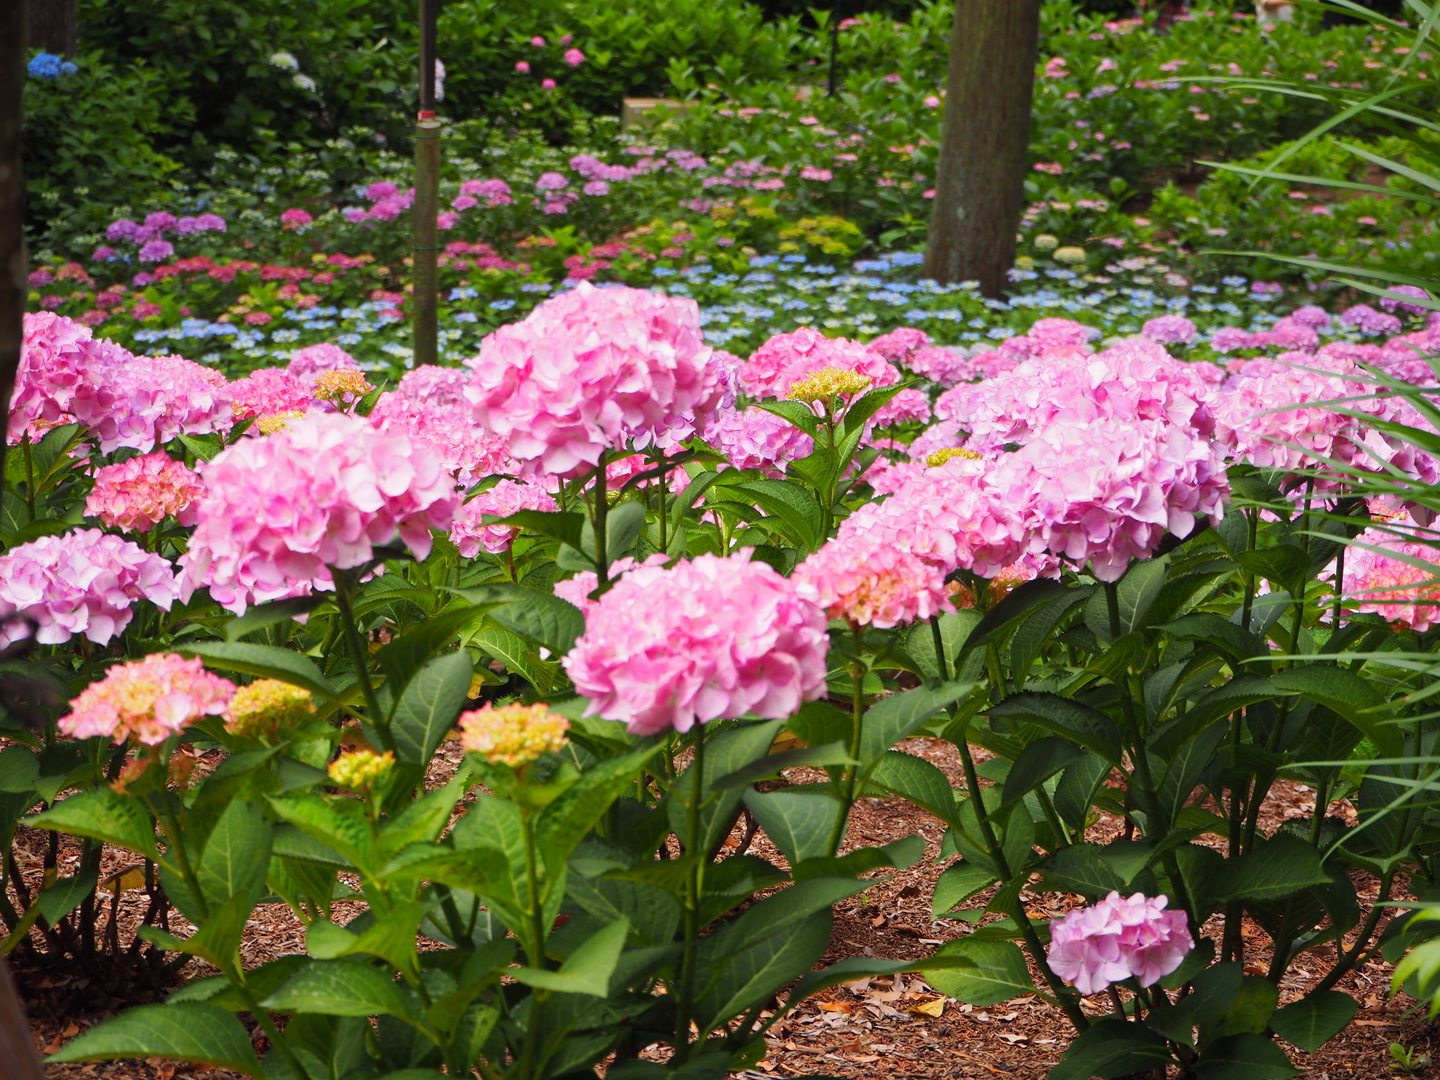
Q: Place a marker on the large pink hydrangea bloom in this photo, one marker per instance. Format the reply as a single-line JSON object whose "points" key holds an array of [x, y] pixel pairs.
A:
{"points": [[467, 451], [309, 362], [82, 582], [755, 439], [151, 699], [61, 369], [279, 511], [788, 358], [591, 369], [140, 493], [1106, 491], [1381, 577], [1259, 421], [708, 639], [863, 578], [155, 399], [470, 533], [430, 384], [1118, 939], [269, 391]]}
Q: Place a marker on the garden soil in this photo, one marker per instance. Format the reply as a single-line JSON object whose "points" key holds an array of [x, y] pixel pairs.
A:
{"points": [[876, 1028]]}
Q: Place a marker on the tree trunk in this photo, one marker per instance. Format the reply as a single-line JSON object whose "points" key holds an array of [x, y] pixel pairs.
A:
{"points": [[12, 198], [985, 141], [52, 26], [17, 1047]]}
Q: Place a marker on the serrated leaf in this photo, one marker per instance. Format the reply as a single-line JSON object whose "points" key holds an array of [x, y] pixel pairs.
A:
{"points": [[102, 814], [1315, 1019], [195, 1032], [429, 706], [263, 660], [999, 973]]}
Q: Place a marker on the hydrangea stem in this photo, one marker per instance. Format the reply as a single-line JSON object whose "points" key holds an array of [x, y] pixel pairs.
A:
{"points": [[344, 600], [694, 891]]}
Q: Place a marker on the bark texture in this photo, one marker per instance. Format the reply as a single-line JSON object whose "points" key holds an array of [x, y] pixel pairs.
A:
{"points": [[12, 200], [52, 26], [984, 144]]}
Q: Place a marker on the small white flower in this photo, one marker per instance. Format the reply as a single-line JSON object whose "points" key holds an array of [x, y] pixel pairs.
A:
{"points": [[305, 82], [285, 60]]}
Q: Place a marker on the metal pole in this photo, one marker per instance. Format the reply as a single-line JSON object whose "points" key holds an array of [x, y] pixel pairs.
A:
{"points": [[427, 197], [836, 17]]}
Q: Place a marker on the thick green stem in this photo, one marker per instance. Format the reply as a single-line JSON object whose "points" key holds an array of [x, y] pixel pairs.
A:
{"points": [[1349, 958], [1252, 535], [694, 891], [660, 514], [534, 947], [597, 519], [1064, 996], [857, 721], [29, 475], [344, 600], [940, 660]]}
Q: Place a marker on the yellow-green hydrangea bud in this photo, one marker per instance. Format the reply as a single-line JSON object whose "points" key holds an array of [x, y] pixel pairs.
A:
{"points": [[1070, 255], [361, 770], [827, 383], [939, 457], [1046, 242], [261, 709], [513, 735], [346, 384], [274, 422]]}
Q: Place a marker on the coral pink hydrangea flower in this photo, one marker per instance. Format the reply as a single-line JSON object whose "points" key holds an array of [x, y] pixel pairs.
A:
{"points": [[591, 369], [1383, 581], [788, 358], [470, 532], [151, 699], [866, 580], [707, 639], [83, 582], [278, 512], [138, 494], [1118, 939], [269, 391]]}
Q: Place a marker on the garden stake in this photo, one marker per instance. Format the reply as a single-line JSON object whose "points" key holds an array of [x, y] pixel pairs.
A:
{"points": [[427, 198]]}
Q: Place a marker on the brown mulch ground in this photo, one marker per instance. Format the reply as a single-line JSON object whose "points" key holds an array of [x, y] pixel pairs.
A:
{"points": [[873, 1029]]}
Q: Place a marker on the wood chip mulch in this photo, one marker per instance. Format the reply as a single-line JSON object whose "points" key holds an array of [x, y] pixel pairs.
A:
{"points": [[873, 1029]]}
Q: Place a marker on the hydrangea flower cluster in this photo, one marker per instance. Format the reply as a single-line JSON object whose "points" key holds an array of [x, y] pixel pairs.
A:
{"points": [[269, 392], [138, 494], [155, 399], [360, 770], [707, 639], [589, 370], [62, 371], [149, 699], [1118, 939], [470, 533], [81, 582], [865, 580], [307, 363], [267, 706], [280, 511], [1259, 419], [512, 735], [756, 439], [786, 359], [1393, 571]]}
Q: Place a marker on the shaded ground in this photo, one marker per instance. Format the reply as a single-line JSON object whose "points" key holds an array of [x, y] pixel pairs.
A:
{"points": [[872, 1029]]}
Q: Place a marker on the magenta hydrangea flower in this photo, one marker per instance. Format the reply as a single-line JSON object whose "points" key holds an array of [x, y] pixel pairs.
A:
{"points": [[945, 366], [309, 362], [1105, 491], [1229, 339], [755, 439], [787, 358], [1118, 939], [898, 346], [1170, 330], [267, 392], [909, 406], [591, 369], [1315, 318], [1367, 320], [1389, 303], [81, 582], [574, 57], [140, 493], [470, 533], [707, 639], [156, 251], [61, 369], [151, 698], [279, 511]]}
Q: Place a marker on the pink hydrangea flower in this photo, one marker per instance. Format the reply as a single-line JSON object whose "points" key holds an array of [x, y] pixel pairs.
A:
{"points": [[909, 406], [140, 493], [1259, 422], [279, 511], [155, 399], [1170, 330], [864, 579], [576, 590], [1230, 338], [1314, 317], [430, 384], [1393, 588], [1118, 939], [267, 392], [704, 640], [1391, 304], [295, 218], [82, 582], [574, 57], [590, 369], [755, 439], [898, 346], [151, 699], [62, 368], [466, 451], [310, 361], [941, 365], [470, 533], [787, 358], [1106, 490]]}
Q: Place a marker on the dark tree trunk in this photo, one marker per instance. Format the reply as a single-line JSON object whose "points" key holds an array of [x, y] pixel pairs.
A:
{"points": [[984, 145], [52, 26], [17, 1047], [12, 200]]}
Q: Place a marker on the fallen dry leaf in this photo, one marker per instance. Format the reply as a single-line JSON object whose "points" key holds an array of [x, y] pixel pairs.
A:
{"points": [[934, 1007]]}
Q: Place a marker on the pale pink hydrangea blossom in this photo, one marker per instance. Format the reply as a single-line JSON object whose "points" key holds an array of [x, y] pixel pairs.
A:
{"points": [[707, 639], [151, 699], [470, 532], [788, 358], [756, 439], [278, 512], [467, 451], [1170, 330], [898, 346], [1397, 590], [591, 369], [81, 582], [309, 362], [140, 493], [155, 399], [1118, 939]]}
